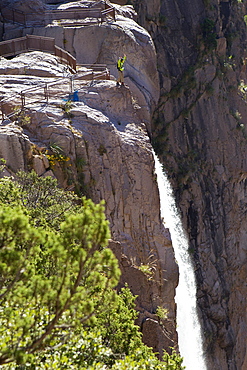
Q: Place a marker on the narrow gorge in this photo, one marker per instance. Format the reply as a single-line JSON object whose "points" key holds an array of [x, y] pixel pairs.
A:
{"points": [[185, 98]]}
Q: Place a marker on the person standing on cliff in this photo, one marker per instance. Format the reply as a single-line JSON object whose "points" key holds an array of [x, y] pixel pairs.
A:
{"points": [[120, 68]]}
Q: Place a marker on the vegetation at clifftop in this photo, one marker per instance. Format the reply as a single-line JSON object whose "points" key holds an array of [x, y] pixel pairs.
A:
{"points": [[58, 305]]}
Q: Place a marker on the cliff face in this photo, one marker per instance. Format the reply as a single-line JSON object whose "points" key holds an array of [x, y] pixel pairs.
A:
{"points": [[199, 131], [105, 150]]}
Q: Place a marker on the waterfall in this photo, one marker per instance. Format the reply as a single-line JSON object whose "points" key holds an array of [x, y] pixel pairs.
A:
{"points": [[188, 326]]}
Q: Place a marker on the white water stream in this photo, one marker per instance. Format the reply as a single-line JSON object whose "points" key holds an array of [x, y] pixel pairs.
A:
{"points": [[188, 326]]}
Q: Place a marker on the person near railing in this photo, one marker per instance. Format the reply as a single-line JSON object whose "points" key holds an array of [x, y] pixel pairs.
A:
{"points": [[120, 68]]}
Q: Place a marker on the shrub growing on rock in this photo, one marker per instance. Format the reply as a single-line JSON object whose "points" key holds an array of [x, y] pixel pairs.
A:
{"points": [[58, 306]]}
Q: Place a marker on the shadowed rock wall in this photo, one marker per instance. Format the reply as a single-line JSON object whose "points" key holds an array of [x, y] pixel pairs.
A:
{"points": [[199, 130]]}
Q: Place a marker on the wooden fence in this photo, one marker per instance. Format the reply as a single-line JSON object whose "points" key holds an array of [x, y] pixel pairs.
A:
{"points": [[76, 13], [14, 15], [55, 2], [48, 16], [41, 43]]}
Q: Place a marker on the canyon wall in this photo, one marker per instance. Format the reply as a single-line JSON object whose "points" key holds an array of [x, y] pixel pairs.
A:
{"points": [[199, 131]]}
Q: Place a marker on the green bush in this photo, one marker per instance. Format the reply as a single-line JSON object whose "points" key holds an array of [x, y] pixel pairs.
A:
{"points": [[209, 34], [58, 306]]}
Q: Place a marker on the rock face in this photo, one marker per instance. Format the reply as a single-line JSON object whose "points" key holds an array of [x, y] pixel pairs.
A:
{"points": [[106, 150], [199, 130]]}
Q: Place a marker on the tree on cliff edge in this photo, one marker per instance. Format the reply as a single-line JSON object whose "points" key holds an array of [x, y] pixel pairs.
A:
{"points": [[50, 282]]}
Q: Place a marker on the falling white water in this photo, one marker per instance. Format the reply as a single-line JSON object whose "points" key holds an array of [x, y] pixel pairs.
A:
{"points": [[188, 326]]}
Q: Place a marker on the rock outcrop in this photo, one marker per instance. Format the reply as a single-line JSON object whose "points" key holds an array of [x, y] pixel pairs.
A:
{"points": [[104, 145]]}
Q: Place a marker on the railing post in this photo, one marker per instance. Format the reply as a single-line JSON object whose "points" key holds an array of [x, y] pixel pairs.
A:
{"points": [[74, 64], [46, 92], [22, 100], [71, 84], [2, 112], [13, 45], [27, 42]]}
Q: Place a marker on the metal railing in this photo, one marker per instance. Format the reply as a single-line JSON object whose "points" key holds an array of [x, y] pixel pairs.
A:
{"points": [[108, 11], [95, 67], [47, 90], [41, 43]]}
